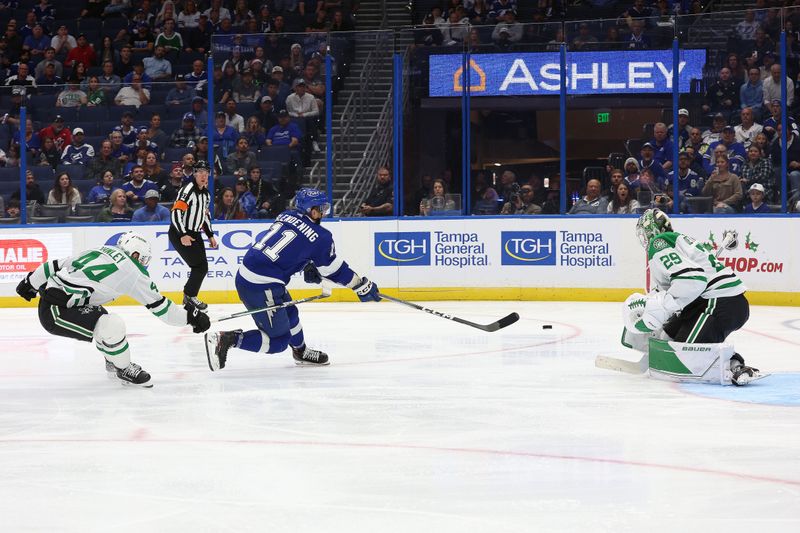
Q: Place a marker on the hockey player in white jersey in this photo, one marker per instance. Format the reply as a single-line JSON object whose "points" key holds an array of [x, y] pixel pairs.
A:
{"points": [[694, 298], [73, 290]]}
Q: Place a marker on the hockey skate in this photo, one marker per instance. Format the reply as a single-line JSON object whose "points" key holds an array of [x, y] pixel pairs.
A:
{"points": [[194, 301], [134, 375], [111, 370], [217, 346], [742, 374], [305, 356]]}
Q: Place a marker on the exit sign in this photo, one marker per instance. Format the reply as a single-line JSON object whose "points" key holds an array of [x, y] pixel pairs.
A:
{"points": [[603, 118]]}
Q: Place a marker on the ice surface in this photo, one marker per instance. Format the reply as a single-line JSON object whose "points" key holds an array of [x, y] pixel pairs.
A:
{"points": [[419, 425]]}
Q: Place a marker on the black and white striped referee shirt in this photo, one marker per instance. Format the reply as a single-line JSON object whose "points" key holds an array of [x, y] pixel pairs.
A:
{"points": [[190, 212]]}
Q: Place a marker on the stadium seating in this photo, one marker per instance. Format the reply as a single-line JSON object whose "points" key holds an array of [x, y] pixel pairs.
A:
{"points": [[59, 211], [90, 210]]}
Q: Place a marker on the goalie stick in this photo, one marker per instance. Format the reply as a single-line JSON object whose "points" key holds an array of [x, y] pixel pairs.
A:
{"points": [[494, 326], [641, 366], [326, 292]]}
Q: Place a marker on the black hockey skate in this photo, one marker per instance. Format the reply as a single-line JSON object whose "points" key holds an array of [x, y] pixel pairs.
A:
{"points": [[194, 301], [741, 374], [134, 375], [217, 346], [305, 356]]}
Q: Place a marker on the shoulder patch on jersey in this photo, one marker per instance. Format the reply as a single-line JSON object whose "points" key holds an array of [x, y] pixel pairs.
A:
{"points": [[661, 242]]}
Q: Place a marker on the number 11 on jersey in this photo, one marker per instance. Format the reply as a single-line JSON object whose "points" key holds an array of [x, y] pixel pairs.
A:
{"points": [[273, 251]]}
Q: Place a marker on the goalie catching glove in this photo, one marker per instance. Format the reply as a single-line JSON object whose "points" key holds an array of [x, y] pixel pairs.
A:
{"points": [[645, 314], [197, 319], [26, 290], [367, 291]]}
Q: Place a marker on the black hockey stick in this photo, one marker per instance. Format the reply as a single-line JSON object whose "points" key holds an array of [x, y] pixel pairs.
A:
{"points": [[326, 292], [494, 326]]}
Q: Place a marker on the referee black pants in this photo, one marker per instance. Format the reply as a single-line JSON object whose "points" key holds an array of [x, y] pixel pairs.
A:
{"points": [[709, 320], [194, 256]]}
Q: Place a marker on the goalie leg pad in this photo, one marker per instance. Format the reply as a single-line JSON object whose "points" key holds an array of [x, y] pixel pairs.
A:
{"points": [[685, 362], [110, 338]]}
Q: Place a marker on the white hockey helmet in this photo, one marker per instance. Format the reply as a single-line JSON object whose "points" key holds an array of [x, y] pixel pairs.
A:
{"points": [[131, 242]]}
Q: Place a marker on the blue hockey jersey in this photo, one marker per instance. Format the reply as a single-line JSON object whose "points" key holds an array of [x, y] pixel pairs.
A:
{"points": [[77, 155], [291, 242]]}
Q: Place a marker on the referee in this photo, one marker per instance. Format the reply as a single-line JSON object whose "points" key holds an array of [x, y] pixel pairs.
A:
{"points": [[190, 215]]}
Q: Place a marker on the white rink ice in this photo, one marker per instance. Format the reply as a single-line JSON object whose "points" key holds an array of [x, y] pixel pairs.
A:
{"points": [[419, 425]]}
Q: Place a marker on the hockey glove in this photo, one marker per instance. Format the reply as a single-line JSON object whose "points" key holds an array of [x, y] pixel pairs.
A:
{"points": [[197, 319], [311, 274], [25, 289], [367, 291]]}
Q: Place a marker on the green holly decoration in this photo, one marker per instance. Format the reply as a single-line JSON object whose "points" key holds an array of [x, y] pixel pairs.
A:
{"points": [[749, 244]]}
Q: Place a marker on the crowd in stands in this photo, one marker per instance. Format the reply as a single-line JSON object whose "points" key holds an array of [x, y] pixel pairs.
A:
{"points": [[482, 25], [728, 133], [116, 95]]}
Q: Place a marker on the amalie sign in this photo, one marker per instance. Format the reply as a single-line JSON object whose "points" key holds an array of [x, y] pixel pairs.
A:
{"points": [[535, 74]]}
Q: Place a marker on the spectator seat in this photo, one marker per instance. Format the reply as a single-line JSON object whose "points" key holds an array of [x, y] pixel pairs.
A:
{"points": [[58, 211], [14, 220], [43, 220], [88, 209], [79, 219], [75, 172]]}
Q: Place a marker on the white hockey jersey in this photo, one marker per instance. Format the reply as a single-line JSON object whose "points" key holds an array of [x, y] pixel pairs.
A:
{"points": [[682, 270], [100, 275], [687, 270]]}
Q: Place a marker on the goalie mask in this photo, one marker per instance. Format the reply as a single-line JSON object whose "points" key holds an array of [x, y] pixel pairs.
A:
{"points": [[652, 222], [131, 242]]}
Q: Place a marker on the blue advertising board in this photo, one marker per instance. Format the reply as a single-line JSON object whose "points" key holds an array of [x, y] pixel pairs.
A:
{"points": [[536, 74]]}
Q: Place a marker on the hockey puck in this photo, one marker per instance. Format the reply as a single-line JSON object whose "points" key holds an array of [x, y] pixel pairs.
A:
{"points": [[547, 326]]}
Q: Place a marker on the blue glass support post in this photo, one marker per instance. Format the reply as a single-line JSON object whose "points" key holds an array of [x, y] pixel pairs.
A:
{"points": [[329, 126], [210, 126], [466, 187], [465, 149], [676, 94], [784, 124], [562, 126], [397, 154], [23, 164]]}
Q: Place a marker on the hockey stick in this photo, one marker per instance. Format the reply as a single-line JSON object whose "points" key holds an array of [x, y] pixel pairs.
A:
{"points": [[621, 365], [326, 292], [641, 366], [494, 326]]}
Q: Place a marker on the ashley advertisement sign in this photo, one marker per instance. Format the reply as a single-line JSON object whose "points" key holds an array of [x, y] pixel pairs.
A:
{"points": [[536, 74]]}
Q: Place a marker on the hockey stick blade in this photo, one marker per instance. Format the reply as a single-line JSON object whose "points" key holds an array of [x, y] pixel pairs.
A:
{"points": [[622, 365], [494, 326]]}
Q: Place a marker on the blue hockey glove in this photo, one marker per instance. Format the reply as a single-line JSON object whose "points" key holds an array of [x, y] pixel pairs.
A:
{"points": [[367, 291], [311, 274]]}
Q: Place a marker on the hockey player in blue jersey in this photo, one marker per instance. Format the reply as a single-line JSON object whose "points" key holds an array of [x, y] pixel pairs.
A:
{"points": [[296, 241]]}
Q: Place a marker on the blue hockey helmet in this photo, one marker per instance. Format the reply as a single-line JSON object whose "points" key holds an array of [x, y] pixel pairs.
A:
{"points": [[309, 197]]}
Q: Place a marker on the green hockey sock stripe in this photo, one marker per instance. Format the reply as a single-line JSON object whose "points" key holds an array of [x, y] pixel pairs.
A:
{"points": [[163, 310], [68, 325], [111, 352]]}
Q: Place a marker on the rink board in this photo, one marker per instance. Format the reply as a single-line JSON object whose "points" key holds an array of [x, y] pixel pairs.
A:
{"points": [[545, 258]]}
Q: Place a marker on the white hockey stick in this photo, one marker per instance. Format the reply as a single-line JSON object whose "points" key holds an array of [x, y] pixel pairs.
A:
{"points": [[621, 365], [641, 366], [326, 292]]}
